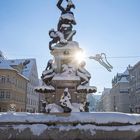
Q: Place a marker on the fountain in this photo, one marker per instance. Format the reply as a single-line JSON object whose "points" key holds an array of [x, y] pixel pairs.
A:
{"points": [[64, 71], [66, 84]]}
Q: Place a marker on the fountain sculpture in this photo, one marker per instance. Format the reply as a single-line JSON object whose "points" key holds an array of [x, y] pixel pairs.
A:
{"points": [[66, 82]]}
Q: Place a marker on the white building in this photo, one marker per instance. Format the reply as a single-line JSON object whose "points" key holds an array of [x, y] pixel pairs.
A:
{"points": [[117, 98], [120, 92], [106, 100], [93, 101]]}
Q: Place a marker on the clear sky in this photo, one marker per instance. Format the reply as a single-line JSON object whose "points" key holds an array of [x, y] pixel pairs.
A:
{"points": [[109, 26]]}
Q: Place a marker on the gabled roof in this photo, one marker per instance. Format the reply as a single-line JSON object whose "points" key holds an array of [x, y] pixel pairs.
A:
{"points": [[123, 80], [121, 77], [27, 69], [5, 65]]}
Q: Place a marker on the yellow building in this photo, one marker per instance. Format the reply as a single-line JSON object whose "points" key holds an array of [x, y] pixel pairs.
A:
{"points": [[13, 88]]}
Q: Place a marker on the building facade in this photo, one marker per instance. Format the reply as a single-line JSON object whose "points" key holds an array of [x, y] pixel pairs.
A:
{"points": [[117, 99], [106, 100], [27, 69], [93, 101], [120, 93], [135, 88], [13, 87]]}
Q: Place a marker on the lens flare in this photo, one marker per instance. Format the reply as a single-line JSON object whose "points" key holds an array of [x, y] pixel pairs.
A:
{"points": [[79, 56]]}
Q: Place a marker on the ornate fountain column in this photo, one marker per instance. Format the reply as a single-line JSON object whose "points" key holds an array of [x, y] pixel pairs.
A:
{"points": [[63, 71]]}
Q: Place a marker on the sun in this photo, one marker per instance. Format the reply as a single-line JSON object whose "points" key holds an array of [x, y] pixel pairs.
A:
{"points": [[79, 56]]}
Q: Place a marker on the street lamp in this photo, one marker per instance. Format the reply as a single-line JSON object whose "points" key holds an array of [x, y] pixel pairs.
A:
{"points": [[101, 58]]}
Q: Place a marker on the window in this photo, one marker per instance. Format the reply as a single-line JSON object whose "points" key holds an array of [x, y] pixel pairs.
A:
{"points": [[8, 79], [3, 110], [124, 91], [3, 79], [14, 81], [7, 95], [2, 94]]}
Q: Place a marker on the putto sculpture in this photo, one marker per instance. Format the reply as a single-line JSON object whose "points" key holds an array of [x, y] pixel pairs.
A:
{"points": [[56, 36], [65, 80]]}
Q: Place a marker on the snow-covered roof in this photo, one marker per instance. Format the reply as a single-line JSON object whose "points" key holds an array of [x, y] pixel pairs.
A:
{"points": [[5, 65], [26, 71], [121, 77], [126, 72], [123, 80]]}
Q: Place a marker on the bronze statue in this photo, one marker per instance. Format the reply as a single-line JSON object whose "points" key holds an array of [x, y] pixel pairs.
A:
{"points": [[66, 20]]}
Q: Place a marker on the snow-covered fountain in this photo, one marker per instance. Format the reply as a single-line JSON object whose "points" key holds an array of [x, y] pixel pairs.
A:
{"points": [[66, 84], [64, 70]]}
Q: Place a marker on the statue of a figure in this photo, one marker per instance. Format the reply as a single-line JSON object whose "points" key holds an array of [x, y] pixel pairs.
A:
{"points": [[65, 101], [12, 107], [86, 106], [68, 8], [66, 20], [83, 74], [48, 73], [65, 26], [56, 36]]}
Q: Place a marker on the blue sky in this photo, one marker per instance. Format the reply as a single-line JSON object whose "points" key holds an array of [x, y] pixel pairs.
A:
{"points": [[109, 26]]}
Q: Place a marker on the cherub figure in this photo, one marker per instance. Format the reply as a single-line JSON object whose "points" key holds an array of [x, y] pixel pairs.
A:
{"points": [[83, 74], [48, 73], [56, 36]]}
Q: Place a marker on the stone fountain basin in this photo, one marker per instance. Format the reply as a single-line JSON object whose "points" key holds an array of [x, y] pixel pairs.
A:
{"points": [[71, 126]]}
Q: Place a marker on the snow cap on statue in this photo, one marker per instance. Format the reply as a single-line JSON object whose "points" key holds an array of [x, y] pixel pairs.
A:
{"points": [[66, 90], [70, 4]]}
